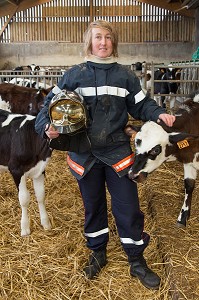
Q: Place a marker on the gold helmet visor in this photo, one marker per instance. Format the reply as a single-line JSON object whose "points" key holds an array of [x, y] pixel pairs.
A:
{"points": [[67, 113]]}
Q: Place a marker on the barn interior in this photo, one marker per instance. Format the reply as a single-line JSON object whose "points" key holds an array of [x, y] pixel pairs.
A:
{"points": [[47, 265], [148, 30]]}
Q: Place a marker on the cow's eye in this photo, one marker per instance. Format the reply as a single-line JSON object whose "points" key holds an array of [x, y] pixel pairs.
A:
{"points": [[138, 142], [154, 152]]}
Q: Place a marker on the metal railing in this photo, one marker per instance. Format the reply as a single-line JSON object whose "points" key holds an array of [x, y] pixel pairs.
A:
{"points": [[187, 83], [46, 77]]}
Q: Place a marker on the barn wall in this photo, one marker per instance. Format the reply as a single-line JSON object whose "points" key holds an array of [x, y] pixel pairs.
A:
{"points": [[64, 20], [67, 54]]}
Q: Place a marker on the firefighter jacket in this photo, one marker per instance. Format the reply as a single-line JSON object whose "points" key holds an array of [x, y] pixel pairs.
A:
{"points": [[111, 91]]}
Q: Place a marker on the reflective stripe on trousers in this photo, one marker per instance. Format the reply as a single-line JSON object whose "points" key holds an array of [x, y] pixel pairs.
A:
{"points": [[125, 208]]}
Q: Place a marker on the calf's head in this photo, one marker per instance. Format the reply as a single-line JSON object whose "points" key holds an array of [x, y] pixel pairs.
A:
{"points": [[153, 146], [37, 101], [150, 150]]}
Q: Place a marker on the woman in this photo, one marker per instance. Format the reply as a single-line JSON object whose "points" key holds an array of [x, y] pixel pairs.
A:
{"points": [[110, 91]]}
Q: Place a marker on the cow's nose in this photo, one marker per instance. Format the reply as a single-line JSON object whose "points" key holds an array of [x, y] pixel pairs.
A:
{"points": [[138, 178], [132, 176]]}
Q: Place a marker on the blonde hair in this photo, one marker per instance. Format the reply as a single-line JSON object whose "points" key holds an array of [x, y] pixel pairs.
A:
{"points": [[100, 24]]}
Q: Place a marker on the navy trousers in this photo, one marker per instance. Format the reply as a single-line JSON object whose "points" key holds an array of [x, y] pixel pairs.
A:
{"points": [[125, 208]]}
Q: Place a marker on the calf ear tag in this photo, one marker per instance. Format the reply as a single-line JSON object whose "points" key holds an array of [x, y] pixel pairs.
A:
{"points": [[183, 144]]}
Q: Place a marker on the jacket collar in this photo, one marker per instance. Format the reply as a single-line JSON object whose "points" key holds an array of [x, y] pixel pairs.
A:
{"points": [[98, 60], [102, 63]]}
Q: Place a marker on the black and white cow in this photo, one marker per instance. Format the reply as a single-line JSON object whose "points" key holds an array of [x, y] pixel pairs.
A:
{"points": [[156, 144], [23, 82], [29, 83], [31, 69], [166, 87], [24, 154]]}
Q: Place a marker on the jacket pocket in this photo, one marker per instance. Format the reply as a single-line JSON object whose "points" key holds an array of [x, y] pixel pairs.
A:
{"points": [[119, 137]]}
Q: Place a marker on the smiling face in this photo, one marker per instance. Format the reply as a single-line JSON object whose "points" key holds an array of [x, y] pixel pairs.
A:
{"points": [[102, 45]]}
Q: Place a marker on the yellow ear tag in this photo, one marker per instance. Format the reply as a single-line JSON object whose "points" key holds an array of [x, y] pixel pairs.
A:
{"points": [[183, 144]]}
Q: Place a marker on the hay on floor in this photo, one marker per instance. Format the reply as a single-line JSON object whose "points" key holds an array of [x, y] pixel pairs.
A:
{"points": [[47, 265]]}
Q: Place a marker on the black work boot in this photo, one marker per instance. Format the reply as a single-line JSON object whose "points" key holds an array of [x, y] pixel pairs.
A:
{"points": [[97, 260], [140, 270]]}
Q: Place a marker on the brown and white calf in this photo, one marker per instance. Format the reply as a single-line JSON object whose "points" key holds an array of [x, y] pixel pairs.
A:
{"points": [[24, 154], [21, 99], [156, 144]]}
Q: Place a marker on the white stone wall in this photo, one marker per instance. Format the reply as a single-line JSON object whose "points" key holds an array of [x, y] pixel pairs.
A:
{"points": [[67, 54]]}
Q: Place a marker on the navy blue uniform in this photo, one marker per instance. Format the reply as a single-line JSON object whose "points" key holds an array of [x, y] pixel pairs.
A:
{"points": [[111, 92]]}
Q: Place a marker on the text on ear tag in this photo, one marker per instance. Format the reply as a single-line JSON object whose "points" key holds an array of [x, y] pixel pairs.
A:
{"points": [[183, 144]]}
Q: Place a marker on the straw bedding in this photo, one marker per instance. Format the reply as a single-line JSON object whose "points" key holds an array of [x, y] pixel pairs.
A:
{"points": [[47, 265]]}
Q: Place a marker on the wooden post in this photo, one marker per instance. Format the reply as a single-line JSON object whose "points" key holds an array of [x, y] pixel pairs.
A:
{"points": [[152, 80], [8, 21], [91, 11]]}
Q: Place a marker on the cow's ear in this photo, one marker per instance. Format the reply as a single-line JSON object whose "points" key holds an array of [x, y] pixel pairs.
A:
{"points": [[43, 91], [131, 129], [180, 137]]}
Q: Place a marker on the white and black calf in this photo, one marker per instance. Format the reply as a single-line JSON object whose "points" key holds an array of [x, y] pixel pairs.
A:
{"points": [[23, 82], [29, 83], [165, 87], [31, 69], [156, 144], [24, 154]]}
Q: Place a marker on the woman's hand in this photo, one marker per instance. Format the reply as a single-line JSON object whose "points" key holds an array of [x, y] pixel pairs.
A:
{"points": [[167, 119], [51, 132]]}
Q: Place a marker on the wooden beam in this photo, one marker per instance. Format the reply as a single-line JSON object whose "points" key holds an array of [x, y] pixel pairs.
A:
{"points": [[174, 6], [23, 5], [30, 3], [8, 21], [12, 2]]}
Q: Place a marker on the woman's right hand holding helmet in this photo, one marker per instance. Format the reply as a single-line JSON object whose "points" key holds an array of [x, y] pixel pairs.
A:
{"points": [[51, 132]]}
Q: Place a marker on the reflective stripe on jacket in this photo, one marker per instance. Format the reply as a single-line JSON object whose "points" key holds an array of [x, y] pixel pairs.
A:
{"points": [[111, 92]]}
